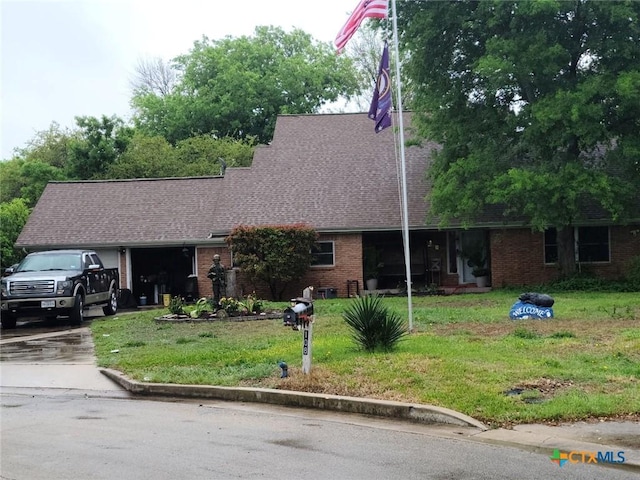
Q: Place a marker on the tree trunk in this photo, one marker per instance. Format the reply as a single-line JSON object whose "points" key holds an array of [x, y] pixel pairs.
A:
{"points": [[273, 289], [566, 251]]}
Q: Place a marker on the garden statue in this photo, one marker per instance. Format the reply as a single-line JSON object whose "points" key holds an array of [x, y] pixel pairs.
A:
{"points": [[217, 276]]}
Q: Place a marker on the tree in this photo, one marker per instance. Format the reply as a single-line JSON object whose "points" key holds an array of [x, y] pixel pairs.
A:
{"points": [[12, 179], [145, 157], [49, 146], [536, 105], [13, 216], [36, 175], [274, 255], [204, 154], [235, 87], [42, 160], [153, 76], [365, 50], [154, 157], [102, 142], [26, 179]]}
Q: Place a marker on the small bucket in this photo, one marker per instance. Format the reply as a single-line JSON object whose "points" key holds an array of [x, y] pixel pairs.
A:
{"points": [[166, 299]]}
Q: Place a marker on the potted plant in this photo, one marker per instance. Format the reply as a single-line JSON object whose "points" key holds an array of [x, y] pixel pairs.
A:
{"points": [[372, 267]]}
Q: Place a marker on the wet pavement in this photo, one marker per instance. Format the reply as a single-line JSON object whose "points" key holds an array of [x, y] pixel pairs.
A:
{"points": [[71, 346], [39, 341], [45, 354], [41, 356]]}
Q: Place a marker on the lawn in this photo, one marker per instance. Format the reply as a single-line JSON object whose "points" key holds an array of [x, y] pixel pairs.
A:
{"points": [[464, 354]]}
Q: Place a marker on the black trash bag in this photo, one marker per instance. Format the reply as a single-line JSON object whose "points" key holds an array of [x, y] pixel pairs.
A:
{"points": [[537, 299], [125, 299]]}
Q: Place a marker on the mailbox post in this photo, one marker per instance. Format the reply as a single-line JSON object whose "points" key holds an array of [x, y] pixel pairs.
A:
{"points": [[300, 316], [307, 333]]}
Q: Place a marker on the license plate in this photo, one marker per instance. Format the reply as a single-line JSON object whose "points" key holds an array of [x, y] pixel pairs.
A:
{"points": [[48, 303]]}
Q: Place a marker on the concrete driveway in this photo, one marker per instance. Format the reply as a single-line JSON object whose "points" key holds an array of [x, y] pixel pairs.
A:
{"points": [[41, 355]]}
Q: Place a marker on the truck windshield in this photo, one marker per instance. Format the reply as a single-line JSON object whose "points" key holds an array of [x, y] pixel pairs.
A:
{"points": [[63, 261]]}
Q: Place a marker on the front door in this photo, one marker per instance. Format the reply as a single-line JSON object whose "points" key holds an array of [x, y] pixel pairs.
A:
{"points": [[467, 241]]}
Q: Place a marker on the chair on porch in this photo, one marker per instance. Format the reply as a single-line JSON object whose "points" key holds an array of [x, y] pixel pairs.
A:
{"points": [[435, 268]]}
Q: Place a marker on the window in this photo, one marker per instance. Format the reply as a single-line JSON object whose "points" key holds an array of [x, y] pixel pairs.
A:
{"points": [[322, 254], [592, 244], [550, 245], [95, 260]]}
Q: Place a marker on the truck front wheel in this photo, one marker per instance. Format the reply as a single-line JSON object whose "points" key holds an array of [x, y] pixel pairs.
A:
{"points": [[77, 312], [112, 307]]}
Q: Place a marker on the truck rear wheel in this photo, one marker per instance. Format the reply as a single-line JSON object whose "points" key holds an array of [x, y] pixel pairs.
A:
{"points": [[77, 312], [112, 307], [8, 321]]}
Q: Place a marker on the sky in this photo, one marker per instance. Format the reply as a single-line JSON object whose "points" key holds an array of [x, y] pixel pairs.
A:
{"points": [[65, 58]]}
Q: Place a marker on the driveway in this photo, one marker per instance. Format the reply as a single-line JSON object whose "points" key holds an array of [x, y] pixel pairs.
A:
{"points": [[43, 355]]}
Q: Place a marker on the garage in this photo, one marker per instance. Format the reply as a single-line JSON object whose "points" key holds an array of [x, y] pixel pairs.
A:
{"points": [[158, 271]]}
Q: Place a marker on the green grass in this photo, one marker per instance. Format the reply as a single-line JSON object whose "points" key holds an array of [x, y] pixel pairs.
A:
{"points": [[463, 354]]}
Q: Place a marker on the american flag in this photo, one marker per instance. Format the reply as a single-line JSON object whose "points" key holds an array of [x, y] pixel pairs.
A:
{"points": [[366, 8]]}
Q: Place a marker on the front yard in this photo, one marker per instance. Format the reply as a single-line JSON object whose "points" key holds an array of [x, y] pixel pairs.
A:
{"points": [[464, 354]]}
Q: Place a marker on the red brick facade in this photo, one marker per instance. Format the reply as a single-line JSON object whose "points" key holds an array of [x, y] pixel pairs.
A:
{"points": [[517, 259], [122, 259], [517, 256], [348, 266]]}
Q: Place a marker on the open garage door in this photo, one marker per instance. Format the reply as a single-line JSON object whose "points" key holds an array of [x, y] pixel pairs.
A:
{"points": [[156, 271]]}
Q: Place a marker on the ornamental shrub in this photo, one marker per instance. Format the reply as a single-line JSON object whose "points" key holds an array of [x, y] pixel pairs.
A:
{"points": [[373, 325], [633, 273], [273, 255]]}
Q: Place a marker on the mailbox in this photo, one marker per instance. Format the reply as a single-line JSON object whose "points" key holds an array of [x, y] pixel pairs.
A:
{"points": [[298, 314]]}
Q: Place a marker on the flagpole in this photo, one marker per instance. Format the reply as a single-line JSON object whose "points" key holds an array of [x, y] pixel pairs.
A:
{"points": [[405, 208]]}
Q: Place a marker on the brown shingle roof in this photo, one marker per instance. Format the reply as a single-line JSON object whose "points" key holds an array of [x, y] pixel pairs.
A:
{"points": [[332, 172]]}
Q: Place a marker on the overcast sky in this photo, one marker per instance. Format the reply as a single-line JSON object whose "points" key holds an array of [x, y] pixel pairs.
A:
{"points": [[66, 58]]}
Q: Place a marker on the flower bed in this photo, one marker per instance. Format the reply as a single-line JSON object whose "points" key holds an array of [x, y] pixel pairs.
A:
{"points": [[228, 309], [220, 316]]}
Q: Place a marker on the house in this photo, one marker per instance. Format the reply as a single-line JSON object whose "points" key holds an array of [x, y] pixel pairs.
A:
{"points": [[332, 172]]}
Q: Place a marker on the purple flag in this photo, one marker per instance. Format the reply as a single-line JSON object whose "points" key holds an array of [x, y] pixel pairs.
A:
{"points": [[380, 110]]}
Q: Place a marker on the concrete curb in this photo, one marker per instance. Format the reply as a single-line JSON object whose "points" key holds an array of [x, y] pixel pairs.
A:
{"points": [[547, 440], [425, 414]]}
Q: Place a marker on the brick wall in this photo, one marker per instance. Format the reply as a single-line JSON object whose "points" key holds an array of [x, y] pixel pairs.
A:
{"points": [[517, 257], [625, 244], [122, 269], [348, 266]]}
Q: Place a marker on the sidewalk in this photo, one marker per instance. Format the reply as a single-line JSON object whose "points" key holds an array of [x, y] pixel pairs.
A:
{"points": [[579, 440]]}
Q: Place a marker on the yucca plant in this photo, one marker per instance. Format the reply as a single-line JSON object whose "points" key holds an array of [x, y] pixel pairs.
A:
{"points": [[373, 325]]}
